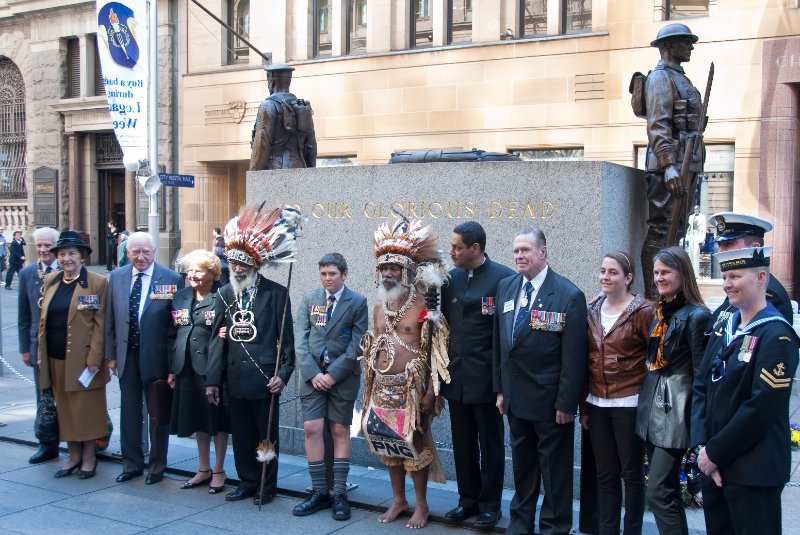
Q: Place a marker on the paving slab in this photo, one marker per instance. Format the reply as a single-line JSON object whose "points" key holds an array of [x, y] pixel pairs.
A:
{"points": [[53, 519]]}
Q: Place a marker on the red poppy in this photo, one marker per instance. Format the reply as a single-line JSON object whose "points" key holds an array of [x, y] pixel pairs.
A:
{"points": [[422, 315]]}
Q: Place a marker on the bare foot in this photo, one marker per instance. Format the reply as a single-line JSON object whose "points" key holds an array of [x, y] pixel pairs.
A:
{"points": [[393, 512], [420, 517]]}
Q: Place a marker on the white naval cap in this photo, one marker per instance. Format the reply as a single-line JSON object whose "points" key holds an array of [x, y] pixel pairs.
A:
{"points": [[732, 225], [748, 257]]}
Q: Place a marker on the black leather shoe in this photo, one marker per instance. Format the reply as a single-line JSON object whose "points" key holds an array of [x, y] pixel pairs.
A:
{"points": [[487, 519], [315, 502], [238, 494], [460, 513], [87, 474], [341, 507], [44, 454], [152, 479], [263, 499], [64, 472], [127, 476]]}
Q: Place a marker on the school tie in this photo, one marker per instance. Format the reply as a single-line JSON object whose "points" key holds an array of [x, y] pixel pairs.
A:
{"points": [[329, 312], [133, 326], [522, 315]]}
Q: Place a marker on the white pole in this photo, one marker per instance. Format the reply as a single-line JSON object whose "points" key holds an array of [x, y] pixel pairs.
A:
{"points": [[153, 221]]}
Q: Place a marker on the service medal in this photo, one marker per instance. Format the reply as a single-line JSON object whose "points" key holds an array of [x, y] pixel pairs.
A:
{"points": [[487, 306], [523, 303], [747, 348], [209, 316], [244, 328]]}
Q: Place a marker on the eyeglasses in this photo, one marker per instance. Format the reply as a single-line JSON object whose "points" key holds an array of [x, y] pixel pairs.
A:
{"points": [[718, 370]]}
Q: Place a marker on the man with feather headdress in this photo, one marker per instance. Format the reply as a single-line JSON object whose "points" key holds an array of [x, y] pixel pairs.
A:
{"points": [[255, 312], [404, 361]]}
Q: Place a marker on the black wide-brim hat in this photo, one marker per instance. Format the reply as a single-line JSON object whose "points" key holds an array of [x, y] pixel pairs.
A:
{"points": [[70, 238]]}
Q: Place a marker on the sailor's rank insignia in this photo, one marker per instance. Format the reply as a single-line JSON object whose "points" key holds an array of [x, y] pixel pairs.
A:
{"points": [[747, 348], [775, 379]]}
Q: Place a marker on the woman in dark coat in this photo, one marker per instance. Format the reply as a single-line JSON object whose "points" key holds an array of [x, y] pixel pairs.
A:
{"points": [[193, 314], [663, 416], [70, 344]]}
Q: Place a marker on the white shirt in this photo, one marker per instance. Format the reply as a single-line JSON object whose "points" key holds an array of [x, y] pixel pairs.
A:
{"points": [[536, 282], [147, 277], [337, 295], [53, 265]]}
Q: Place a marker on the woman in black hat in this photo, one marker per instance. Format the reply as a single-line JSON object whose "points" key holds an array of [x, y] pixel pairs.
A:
{"points": [[71, 352]]}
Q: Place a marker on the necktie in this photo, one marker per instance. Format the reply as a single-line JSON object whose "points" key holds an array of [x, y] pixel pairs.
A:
{"points": [[522, 315], [133, 326], [48, 270], [331, 303]]}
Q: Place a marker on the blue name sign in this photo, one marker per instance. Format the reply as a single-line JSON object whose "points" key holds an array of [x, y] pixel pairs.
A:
{"points": [[181, 181]]}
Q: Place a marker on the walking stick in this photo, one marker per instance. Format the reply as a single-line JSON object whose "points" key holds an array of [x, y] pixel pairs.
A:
{"points": [[266, 450]]}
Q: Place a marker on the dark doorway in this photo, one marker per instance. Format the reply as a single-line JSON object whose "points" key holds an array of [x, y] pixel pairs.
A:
{"points": [[112, 206]]}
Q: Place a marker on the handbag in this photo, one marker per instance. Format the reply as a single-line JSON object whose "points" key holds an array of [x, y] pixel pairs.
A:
{"points": [[45, 427]]}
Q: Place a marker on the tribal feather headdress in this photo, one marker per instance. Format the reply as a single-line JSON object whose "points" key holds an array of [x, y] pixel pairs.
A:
{"points": [[257, 237], [409, 244]]}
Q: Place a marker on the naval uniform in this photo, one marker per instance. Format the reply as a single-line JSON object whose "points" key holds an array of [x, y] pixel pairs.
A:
{"points": [[741, 413], [776, 294], [469, 304]]}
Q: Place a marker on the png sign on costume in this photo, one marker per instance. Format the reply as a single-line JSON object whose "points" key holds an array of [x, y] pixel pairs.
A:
{"points": [[122, 28]]}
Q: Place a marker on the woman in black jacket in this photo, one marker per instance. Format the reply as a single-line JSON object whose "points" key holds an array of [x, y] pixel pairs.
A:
{"points": [[665, 402]]}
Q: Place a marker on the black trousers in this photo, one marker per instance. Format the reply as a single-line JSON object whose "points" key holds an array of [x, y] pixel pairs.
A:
{"points": [[132, 391], [664, 490], [541, 451], [619, 454], [249, 419], [478, 434], [111, 256], [12, 268], [741, 509]]}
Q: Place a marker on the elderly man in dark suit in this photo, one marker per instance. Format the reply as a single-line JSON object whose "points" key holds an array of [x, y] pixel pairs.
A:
{"points": [[139, 335], [29, 303], [469, 304], [255, 312], [539, 368], [330, 323]]}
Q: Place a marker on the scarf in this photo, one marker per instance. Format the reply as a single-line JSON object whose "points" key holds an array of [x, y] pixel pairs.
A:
{"points": [[664, 312]]}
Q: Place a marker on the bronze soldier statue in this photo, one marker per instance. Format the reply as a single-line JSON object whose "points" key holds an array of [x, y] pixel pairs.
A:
{"points": [[283, 136], [674, 112]]}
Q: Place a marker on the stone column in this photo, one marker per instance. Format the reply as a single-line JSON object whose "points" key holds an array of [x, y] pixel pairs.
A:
{"points": [[379, 26], [486, 18], [74, 180]]}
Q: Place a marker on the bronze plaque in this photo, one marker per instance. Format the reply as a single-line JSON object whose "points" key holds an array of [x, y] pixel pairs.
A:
{"points": [[45, 198]]}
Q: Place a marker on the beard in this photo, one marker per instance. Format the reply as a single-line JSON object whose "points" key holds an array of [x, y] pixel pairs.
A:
{"points": [[396, 295], [241, 281]]}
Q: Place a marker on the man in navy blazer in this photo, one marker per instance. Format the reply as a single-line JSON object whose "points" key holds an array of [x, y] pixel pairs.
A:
{"points": [[31, 279], [539, 368], [330, 322], [139, 335]]}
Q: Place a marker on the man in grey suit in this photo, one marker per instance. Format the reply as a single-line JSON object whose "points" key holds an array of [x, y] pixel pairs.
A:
{"points": [[539, 367], [139, 334], [330, 322], [29, 302]]}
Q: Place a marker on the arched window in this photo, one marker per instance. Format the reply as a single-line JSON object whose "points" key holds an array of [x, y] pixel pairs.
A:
{"points": [[239, 16], [12, 132]]}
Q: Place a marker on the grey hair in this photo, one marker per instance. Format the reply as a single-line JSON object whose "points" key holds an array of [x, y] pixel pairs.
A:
{"points": [[537, 233], [46, 232], [139, 236]]}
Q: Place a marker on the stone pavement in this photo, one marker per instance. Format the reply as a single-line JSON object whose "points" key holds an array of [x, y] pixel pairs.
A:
{"points": [[32, 501]]}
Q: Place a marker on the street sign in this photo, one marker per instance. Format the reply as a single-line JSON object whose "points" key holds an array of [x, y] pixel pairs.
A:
{"points": [[181, 181]]}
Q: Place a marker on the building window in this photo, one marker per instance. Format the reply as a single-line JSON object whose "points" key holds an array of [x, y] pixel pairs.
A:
{"points": [[682, 9], [577, 16], [322, 34], [460, 27], [239, 17], [357, 27], [421, 27], [12, 132], [73, 89], [534, 18], [551, 155]]}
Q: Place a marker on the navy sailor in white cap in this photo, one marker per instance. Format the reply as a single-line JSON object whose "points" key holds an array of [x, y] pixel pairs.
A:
{"points": [[736, 231], [740, 404]]}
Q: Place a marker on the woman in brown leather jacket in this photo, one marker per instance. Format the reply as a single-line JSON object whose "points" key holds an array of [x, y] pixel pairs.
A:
{"points": [[676, 346], [618, 333]]}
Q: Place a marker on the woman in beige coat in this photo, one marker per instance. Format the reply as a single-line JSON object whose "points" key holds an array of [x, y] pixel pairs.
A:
{"points": [[70, 344]]}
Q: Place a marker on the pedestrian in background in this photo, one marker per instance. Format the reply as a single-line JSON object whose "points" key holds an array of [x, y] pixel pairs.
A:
{"points": [[16, 257], [618, 335], [675, 350], [71, 352]]}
